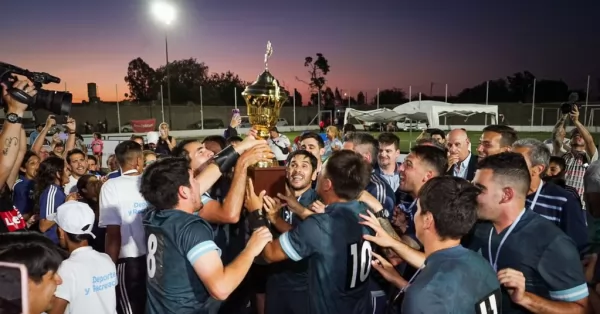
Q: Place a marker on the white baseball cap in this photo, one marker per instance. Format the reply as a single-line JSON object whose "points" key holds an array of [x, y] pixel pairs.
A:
{"points": [[75, 217]]}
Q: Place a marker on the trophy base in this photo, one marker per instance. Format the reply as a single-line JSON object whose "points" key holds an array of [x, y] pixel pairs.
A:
{"points": [[271, 179]]}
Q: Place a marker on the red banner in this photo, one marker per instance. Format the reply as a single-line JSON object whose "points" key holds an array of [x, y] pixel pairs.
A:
{"points": [[143, 126]]}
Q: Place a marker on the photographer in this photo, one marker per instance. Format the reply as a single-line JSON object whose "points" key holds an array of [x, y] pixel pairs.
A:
{"points": [[50, 123], [582, 149], [13, 145]]}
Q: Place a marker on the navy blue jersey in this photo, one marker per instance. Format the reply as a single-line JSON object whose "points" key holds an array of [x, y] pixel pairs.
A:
{"points": [[382, 191], [291, 275], [454, 280], [52, 197], [339, 259], [564, 210], [23, 195], [175, 242], [545, 255], [114, 174]]}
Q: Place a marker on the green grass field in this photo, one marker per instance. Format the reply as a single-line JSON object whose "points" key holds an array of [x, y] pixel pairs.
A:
{"points": [[407, 139]]}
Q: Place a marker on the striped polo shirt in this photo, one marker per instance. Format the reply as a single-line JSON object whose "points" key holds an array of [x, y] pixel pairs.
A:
{"points": [[563, 209]]}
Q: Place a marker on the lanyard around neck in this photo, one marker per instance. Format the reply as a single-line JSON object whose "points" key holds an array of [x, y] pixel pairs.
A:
{"points": [[537, 194], [494, 261]]}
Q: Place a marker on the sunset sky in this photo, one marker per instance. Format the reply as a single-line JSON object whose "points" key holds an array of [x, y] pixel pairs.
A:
{"points": [[369, 44]]}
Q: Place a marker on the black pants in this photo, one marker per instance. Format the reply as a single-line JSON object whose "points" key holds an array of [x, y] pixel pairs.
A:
{"points": [[131, 289], [286, 302]]}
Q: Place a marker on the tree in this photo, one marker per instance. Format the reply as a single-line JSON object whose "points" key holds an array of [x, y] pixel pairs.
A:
{"points": [[394, 96], [141, 79], [521, 85], [338, 97], [360, 98], [221, 89], [186, 78], [551, 91], [498, 92], [317, 70], [298, 97]]}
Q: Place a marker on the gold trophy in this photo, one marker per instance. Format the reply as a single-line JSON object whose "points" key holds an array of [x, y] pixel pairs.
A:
{"points": [[264, 99]]}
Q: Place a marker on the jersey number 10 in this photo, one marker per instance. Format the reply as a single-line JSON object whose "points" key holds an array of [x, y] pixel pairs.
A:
{"points": [[359, 264]]}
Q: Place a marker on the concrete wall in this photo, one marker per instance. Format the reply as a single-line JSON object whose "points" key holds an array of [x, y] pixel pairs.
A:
{"points": [[184, 115]]}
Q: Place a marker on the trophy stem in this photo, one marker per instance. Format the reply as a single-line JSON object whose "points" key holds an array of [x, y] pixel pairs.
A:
{"points": [[262, 132]]}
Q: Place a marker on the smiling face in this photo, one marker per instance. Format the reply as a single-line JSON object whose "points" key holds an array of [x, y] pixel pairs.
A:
{"points": [[300, 172], [78, 164], [31, 167], [388, 154]]}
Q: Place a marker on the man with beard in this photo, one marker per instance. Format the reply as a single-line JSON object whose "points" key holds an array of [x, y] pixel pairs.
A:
{"points": [[313, 143], [583, 150], [287, 284], [495, 139], [422, 164], [79, 167], [331, 242]]}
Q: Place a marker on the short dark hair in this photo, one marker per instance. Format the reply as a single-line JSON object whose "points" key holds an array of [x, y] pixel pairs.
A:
{"points": [[388, 138], [364, 138], [439, 132], [161, 181], [508, 135], [28, 155], [302, 152], [92, 157], [137, 137], [233, 139], [510, 168], [217, 139], [314, 136], [78, 238], [127, 150], [179, 150], [32, 249], [74, 151], [431, 142], [348, 172], [433, 157], [452, 202], [348, 127], [560, 162]]}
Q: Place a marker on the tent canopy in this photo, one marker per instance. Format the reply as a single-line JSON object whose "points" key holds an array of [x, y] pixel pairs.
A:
{"points": [[378, 115], [425, 110]]}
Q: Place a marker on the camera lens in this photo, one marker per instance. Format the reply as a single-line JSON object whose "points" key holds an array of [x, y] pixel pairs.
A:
{"points": [[59, 103]]}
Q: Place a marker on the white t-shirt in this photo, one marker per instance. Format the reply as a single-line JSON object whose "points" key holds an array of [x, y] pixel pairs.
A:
{"points": [[71, 186], [88, 282], [121, 204], [282, 141]]}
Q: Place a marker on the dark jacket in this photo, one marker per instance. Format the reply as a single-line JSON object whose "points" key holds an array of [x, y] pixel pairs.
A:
{"points": [[470, 168]]}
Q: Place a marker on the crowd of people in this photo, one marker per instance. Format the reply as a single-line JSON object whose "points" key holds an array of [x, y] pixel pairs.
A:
{"points": [[506, 225]]}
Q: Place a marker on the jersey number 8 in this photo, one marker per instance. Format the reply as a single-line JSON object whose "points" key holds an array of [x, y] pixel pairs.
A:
{"points": [[359, 264], [151, 258]]}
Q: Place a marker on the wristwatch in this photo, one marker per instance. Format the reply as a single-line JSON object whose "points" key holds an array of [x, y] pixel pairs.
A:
{"points": [[13, 118], [383, 213]]}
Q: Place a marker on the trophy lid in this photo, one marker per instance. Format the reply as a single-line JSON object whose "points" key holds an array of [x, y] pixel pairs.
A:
{"points": [[265, 85]]}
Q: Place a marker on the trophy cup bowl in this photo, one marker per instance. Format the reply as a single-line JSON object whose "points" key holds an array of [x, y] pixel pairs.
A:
{"points": [[264, 99]]}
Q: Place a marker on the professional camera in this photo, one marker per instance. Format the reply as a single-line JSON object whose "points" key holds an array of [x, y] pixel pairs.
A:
{"points": [[58, 103], [567, 107]]}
